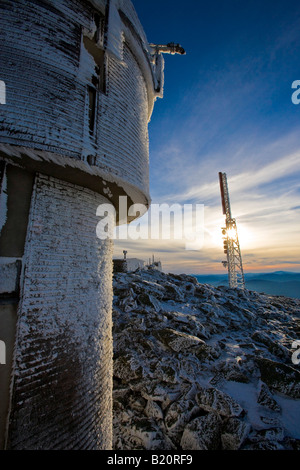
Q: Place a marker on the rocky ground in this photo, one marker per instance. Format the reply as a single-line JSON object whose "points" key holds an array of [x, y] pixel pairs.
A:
{"points": [[199, 367]]}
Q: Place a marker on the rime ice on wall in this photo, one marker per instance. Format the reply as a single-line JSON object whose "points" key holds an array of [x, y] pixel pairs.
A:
{"points": [[115, 31], [39, 68], [48, 76], [126, 106], [62, 384], [81, 85]]}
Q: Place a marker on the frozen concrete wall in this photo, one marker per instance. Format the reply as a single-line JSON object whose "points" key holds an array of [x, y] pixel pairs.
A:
{"points": [[55, 73], [40, 58], [63, 360], [127, 107], [80, 88]]}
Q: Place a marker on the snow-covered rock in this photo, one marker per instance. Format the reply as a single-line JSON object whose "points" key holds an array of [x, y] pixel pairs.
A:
{"points": [[202, 433], [212, 399], [178, 415], [280, 377], [234, 434], [265, 398], [203, 367]]}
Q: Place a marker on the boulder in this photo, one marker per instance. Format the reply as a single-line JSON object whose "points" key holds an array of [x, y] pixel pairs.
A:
{"points": [[190, 368], [265, 398], [232, 370], [162, 392], [172, 292], [203, 433], [149, 300], [178, 341], [265, 445], [177, 417], [212, 399], [153, 410], [280, 377], [234, 434], [275, 434], [168, 371], [152, 288], [147, 435], [273, 346], [126, 368]]}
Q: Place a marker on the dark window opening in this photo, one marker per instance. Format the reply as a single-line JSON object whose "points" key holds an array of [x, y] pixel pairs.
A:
{"points": [[98, 74], [2, 169], [92, 96], [96, 78], [18, 192], [91, 159], [94, 46], [99, 34]]}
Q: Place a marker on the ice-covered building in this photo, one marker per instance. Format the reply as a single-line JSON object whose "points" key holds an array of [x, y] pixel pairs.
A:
{"points": [[128, 265], [80, 83]]}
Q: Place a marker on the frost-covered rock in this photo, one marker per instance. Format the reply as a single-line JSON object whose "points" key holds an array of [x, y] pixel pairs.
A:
{"points": [[125, 367], [140, 286], [179, 341], [153, 410], [150, 301], [202, 433], [202, 367], [269, 438], [161, 392], [233, 369], [283, 378], [265, 445], [178, 415], [265, 398], [172, 291], [234, 434], [147, 435], [212, 399], [272, 343]]}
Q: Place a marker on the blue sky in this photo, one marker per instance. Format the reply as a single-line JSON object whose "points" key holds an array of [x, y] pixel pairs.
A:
{"points": [[227, 107]]}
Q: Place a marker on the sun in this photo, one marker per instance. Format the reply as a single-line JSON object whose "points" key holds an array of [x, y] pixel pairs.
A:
{"points": [[231, 233], [245, 236]]}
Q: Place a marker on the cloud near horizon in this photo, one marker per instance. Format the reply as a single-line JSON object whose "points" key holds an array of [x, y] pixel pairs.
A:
{"points": [[263, 202]]}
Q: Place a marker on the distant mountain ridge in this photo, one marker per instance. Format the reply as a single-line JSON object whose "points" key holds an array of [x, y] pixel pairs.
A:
{"points": [[277, 283]]}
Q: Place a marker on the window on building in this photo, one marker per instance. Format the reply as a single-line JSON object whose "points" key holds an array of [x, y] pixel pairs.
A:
{"points": [[94, 47], [93, 40], [92, 100]]}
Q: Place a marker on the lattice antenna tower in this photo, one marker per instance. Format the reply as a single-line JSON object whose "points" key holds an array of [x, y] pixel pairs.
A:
{"points": [[231, 243]]}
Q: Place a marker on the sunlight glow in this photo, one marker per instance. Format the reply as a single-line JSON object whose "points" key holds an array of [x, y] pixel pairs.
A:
{"points": [[231, 233], [246, 237]]}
